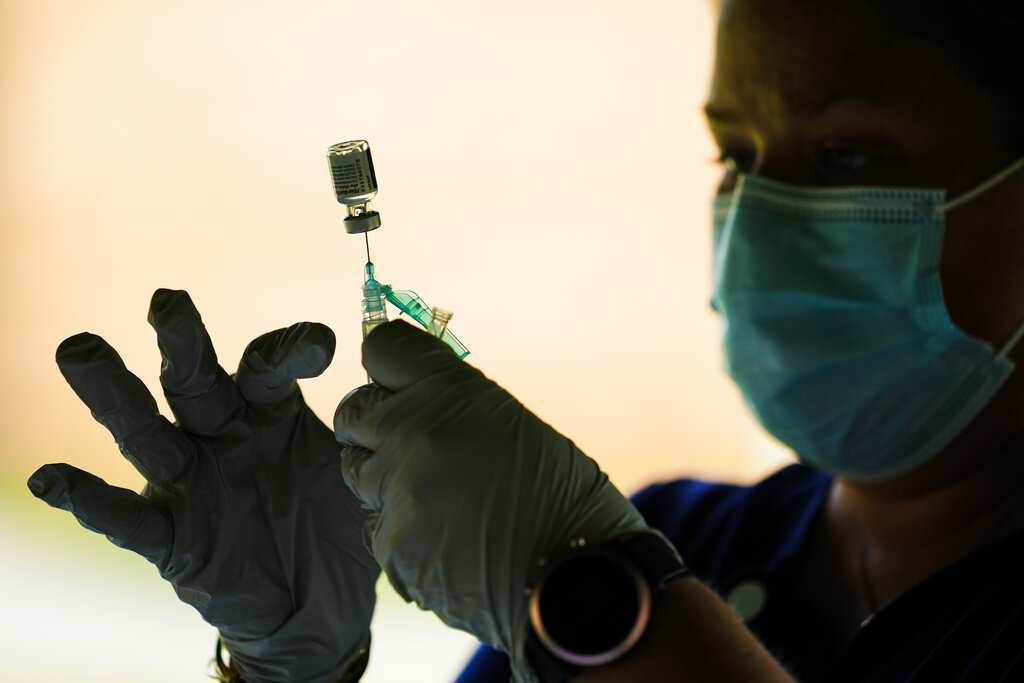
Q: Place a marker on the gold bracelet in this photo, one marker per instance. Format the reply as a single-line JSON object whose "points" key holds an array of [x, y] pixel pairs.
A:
{"points": [[226, 672], [218, 670]]}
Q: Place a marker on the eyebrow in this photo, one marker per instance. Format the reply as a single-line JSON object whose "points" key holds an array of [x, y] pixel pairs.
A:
{"points": [[813, 104]]}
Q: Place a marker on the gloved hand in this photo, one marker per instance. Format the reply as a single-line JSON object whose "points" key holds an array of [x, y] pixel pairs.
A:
{"points": [[468, 489], [245, 512]]}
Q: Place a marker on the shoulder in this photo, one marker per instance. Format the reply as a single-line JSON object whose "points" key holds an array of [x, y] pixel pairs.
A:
{"points": [[720, 529]]}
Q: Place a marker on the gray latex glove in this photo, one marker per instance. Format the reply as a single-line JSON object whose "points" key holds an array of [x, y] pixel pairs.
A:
{"points": [[245, 512], [468, 489]]}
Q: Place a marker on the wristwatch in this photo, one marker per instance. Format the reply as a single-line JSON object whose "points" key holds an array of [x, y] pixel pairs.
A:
{"points": [[591, 605]]}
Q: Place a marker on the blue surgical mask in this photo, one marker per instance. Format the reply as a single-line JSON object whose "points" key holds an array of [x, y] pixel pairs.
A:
{"points": [[834, 325]]}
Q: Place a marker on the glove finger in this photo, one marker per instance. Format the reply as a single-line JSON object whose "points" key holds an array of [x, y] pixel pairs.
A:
{"points": [[123, 516], [121, 402], [200, 393], [273, 361], [353, 459], [397, 355], [357, 419]]}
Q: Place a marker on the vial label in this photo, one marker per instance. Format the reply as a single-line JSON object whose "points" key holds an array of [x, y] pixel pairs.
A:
{"points": [[351, 179], [353, 176]]}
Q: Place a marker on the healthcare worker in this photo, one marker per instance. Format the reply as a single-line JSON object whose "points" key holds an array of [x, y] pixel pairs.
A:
{"points": [[868, 254]]}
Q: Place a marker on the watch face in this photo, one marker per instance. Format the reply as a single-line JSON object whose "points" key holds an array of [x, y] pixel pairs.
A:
{"points": [[590, 607]]}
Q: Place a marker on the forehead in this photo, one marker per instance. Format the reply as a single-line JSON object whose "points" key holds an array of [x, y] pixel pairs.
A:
{"points": [[785, 53], [779, 62]]}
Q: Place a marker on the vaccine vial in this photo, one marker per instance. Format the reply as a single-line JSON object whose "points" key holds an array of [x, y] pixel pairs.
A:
{"points": [[354, 184]]}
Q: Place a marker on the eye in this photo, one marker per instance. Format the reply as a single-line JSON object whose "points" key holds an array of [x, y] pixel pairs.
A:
{"points": [[843, 158]]}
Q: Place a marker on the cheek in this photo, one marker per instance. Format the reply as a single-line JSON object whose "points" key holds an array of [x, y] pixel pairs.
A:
{"points": [[982, 270]]}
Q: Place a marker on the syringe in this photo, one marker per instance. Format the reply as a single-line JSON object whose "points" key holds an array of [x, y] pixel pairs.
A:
{"points": [[374, 309], [355, 184]]}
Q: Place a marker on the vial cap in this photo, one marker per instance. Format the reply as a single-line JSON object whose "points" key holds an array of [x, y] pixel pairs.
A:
{"points": [[364, 222]]}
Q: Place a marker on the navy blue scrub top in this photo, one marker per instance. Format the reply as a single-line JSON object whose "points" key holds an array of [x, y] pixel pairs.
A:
{"points": [[964, 623]]}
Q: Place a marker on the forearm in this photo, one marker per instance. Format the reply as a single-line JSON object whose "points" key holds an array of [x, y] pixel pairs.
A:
{"points": [[693, 636]]}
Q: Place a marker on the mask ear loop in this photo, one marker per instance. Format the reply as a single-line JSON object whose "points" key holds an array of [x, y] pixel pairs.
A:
{"points": [[984, 186], [1008, 345], [967, 196]]}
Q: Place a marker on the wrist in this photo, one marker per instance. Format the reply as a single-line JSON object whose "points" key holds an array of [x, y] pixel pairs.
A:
{"points": [[223, 667], [692, 631]]}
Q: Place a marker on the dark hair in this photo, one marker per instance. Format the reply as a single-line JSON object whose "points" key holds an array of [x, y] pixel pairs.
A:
{"points": [[982, 38]]}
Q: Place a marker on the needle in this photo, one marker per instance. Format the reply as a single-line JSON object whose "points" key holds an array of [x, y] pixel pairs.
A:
{"points": [[367, 236]]}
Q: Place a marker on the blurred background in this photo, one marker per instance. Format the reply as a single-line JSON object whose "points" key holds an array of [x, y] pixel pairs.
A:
{"points": [[544, 173]]}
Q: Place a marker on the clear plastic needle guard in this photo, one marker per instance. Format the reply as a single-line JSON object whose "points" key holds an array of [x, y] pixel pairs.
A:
{"points": [[434, 320]]}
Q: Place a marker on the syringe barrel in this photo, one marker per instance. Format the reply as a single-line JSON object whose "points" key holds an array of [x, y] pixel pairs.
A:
{"points": [[369, 325], [374, 313], [374, 306]]}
